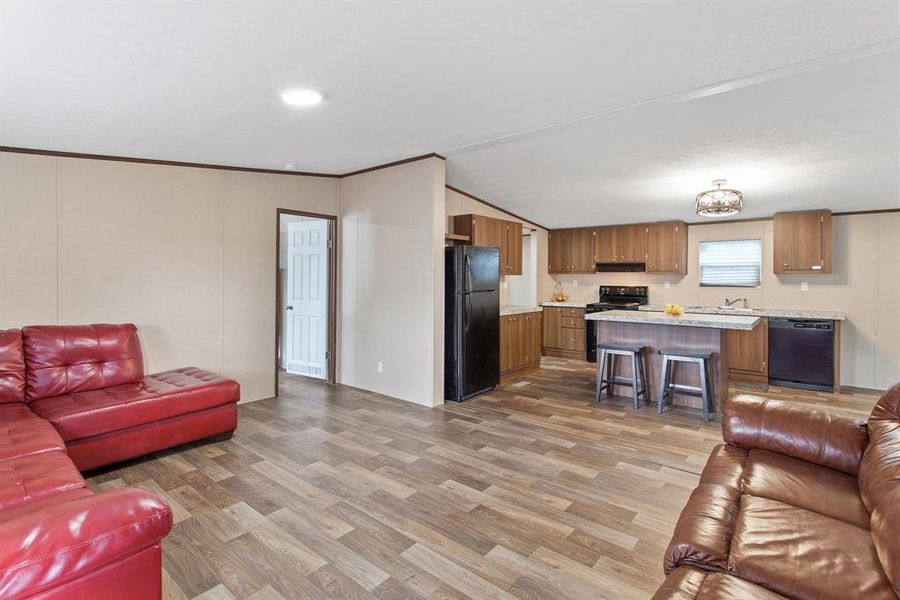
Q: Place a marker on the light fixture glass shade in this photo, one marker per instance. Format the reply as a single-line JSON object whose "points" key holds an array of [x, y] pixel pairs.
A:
{"points": [[719, 202]]}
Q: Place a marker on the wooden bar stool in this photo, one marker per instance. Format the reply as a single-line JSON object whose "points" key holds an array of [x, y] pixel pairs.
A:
{"points": [[607, 362], [667, 388]]}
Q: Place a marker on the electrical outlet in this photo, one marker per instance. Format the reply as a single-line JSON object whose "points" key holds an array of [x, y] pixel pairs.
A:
{"points": [[667, 284], [804, 287], [380, 367], [505, 284], [575, 283]]}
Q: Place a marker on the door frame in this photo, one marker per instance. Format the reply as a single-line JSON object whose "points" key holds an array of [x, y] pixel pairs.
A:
{"points": [[332, 288]]}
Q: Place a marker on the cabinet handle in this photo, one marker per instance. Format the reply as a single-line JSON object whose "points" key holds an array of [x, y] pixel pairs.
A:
{"points": [[785, 265]]}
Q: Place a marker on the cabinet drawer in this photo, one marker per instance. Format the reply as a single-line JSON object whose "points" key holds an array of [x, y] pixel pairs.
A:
{"points": [[572, 339], [577, 313], [573, 322]]}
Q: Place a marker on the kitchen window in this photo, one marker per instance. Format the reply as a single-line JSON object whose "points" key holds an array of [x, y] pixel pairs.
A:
{"points": [[730, 263]]}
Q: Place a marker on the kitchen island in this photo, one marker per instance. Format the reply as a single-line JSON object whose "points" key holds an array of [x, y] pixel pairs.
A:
{"points": [[688, 332]]}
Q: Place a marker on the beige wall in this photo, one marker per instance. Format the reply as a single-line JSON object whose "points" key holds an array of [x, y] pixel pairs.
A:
{"points": [[865, 284], [392, 239], [187, 254], [460, 204]]}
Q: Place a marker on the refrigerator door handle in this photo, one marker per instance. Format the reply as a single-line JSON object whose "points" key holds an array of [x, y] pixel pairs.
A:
{"points": [[465, 319], [468, 270]]}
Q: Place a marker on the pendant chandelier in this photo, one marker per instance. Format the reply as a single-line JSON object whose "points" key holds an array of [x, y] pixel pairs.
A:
{"points": [[719, 202]]}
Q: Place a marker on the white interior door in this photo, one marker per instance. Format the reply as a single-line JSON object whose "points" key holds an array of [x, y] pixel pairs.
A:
{"points": [[306, 308]]}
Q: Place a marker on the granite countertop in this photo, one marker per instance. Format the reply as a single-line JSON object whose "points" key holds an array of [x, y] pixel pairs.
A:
{"points": [[518, 310], [566, 304], [741, 322], [757, 312]]}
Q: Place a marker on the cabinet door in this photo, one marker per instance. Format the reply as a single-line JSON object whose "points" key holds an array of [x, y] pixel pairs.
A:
{"points": [[482, 232], [632, 243], [505, 344], [748, 353], [499, 240], [605, 245], [517, 340], [802, 242], [559, 250], [514, 247], [552, 327], [666, 248], [572, 340], [582, 249]]}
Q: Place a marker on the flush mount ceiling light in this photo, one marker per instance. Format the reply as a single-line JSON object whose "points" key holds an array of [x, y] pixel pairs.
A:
{"points": [[719, 202], [301, 97], [291, 166]]}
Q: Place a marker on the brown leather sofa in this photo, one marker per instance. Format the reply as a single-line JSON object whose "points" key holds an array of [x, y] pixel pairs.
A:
{"points": [[798, 503]]}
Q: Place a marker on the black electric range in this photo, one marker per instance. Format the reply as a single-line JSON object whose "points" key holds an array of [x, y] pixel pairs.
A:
{"points": [[611, 298]]}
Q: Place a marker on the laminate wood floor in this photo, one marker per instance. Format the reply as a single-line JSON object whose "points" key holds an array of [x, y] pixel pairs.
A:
{"points": [[533, 491]]}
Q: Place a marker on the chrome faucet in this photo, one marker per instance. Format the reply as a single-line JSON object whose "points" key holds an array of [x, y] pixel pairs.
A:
{"points": [[730, 303]]}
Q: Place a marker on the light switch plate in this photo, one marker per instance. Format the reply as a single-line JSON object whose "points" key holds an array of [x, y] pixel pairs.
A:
{"points": [[804, 287], [667, 284]]}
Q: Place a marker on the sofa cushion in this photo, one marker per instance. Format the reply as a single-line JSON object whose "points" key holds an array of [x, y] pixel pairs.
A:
{"points": [[799, 483], [39, 504], [12, 367], [63, 359], [803, 554], [23, 433], [811, 434], [157, 397], [879, 481], [703, 533], [29, 478], [689, 583]]}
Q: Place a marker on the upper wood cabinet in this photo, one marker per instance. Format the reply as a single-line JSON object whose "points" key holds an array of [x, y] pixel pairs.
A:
{"points": [[559, 250], [606, 246], [802, 242], [621, 243], [496, 233], [631, 241], [662, 246], [572, 250], [667, 248], [513, 248]]}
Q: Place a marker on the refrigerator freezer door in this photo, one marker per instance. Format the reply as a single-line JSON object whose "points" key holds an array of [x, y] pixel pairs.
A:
{"points": [[481, 268]]}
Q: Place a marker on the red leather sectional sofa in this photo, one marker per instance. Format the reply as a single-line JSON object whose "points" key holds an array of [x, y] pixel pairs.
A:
{"points": [[76, 398]]}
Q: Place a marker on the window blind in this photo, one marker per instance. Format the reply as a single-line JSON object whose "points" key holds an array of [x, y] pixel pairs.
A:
{"points": [[730, 263]]}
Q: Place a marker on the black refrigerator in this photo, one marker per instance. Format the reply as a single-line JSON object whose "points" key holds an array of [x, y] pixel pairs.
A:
{"points": [[471, 322]]}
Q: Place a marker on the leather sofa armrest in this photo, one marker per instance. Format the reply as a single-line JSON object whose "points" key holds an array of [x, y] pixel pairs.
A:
{"points": [[42, 550], [797, 430]]}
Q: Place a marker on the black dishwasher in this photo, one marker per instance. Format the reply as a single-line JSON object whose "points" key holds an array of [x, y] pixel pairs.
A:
{"points": [[801, 353]]}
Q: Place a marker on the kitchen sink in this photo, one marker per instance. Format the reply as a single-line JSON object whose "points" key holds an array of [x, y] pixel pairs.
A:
{"points": [[737, 310]]}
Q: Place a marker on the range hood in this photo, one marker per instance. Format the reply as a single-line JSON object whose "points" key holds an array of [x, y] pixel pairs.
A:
{"points": [[619, 267]]}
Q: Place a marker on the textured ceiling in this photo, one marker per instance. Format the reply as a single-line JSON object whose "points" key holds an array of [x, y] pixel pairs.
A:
{"points": [[541, 107]]}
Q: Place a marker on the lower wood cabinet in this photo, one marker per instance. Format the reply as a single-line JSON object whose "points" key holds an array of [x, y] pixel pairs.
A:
{"points": [[748, 353], [520, 343], [564, 331]]}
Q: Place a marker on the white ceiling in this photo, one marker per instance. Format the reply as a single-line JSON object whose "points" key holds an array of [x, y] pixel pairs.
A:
{"points": [[814, 119]]}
